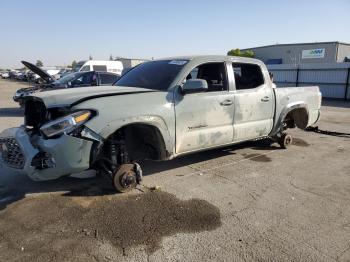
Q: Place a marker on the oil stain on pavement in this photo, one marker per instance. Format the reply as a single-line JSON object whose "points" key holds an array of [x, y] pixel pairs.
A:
{"points": [[300, 142], [53, 225], [257, 157]]}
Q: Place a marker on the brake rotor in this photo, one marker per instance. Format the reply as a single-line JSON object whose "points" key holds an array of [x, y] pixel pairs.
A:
{"points": [[125, 178]]}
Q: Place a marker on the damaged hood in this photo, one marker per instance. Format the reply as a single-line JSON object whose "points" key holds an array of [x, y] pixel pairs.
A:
{"points": [[71, 96]]}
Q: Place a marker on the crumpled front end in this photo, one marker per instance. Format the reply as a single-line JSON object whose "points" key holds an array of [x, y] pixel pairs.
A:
{"points": [[40, 158]]}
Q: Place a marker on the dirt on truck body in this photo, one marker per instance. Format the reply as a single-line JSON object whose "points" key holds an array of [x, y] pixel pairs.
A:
{"points": [[159, 110]]}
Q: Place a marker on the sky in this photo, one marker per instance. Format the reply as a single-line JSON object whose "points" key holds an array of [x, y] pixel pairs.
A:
{"points": [[58, 32]]}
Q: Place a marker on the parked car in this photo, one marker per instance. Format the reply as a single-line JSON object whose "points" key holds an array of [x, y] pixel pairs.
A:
{"points": [[5, 75], [13, 74], [159, 110], [53, 73], [77, 79], [115, 67], [21, 76], [63, 72]]}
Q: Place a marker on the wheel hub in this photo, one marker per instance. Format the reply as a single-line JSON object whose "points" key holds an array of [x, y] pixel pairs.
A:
{"points": [[128, 179], [288, 140]]}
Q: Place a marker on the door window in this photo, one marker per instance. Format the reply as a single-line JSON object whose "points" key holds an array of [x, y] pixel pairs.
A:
{"points": [[83, 80], [85, 68], [247, 76], [213, 73], [107, 79]]}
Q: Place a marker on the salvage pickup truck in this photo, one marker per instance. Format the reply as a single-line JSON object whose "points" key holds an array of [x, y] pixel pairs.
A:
{"points": [[159, 110]]}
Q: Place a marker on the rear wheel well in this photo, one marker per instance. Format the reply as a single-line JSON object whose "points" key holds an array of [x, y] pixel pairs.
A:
{"points": [[297, 117]]}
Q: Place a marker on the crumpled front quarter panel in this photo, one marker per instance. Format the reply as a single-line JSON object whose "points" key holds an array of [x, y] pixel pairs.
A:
{"points": [[69, 154], [114, 112]]}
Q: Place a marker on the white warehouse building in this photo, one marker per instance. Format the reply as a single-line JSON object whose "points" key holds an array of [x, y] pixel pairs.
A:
{"points": [[325, 64], [303, 53]]}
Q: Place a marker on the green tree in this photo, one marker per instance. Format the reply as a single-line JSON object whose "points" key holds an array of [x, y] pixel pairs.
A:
{"points": [[74, 64], [238, 52], [234, 52], [249, 53], [39, 63], [111, 58]]}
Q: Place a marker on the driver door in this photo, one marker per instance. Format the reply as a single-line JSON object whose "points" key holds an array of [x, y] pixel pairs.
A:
{"points": [[205, 119]]}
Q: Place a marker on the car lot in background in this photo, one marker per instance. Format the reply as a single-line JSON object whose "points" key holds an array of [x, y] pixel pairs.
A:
{"points": [[264, 204], [69, 80], [5, 74]]}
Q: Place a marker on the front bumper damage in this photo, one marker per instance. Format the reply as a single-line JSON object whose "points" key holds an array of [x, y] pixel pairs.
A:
{"points": [[43, 159]]}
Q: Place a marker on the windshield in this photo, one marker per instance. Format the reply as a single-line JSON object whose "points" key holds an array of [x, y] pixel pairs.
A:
{"points": [[68, 78], [156, 75]]}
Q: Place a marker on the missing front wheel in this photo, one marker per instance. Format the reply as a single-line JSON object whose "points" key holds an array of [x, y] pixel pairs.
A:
{"points": [[126, 177]]}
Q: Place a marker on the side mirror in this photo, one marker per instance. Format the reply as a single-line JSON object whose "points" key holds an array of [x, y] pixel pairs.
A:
{"points": [[195, 86], [69, 84]]}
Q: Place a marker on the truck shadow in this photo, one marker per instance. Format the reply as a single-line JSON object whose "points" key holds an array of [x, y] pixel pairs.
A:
{"points": [[14, 187], [152, 167]]}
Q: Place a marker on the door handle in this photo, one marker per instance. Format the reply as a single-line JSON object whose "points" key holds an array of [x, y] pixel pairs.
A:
{"points": [[226, 102], [265, 99]]}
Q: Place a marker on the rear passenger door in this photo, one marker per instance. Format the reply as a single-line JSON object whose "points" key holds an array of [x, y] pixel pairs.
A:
{"points": [[254, 102]]}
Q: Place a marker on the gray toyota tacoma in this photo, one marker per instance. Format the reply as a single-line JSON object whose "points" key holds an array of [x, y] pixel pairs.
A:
{"points": [[158, 110]]}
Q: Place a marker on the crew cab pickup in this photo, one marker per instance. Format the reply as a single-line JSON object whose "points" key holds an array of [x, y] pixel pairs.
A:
{"points": [[158, 110]]}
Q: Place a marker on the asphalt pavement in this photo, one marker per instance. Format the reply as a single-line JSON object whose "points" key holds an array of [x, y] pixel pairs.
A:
{"points": [[249, 202]]}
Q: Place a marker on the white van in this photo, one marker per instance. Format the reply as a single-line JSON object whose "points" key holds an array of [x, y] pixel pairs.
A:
{"points": [[115, 67]]}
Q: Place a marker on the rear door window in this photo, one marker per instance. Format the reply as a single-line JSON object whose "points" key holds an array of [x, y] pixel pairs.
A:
{"points": [[108, 79], [247, 76]]}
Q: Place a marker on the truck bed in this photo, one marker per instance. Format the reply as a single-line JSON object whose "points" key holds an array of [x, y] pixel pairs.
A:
{"points": [[288, 98]]}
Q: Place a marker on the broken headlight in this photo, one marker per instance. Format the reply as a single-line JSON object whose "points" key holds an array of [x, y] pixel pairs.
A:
{"points": [[66, 124]]}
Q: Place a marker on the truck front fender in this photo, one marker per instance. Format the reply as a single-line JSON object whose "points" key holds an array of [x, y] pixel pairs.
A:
{"points": [[150, 120]]}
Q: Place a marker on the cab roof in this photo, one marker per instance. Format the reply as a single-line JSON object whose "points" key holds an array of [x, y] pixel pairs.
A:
{"points": [[203, 58]]}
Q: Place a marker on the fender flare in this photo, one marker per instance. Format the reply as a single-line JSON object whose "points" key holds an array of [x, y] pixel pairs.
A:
{"points": [[154, 121], [289, 108]]}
